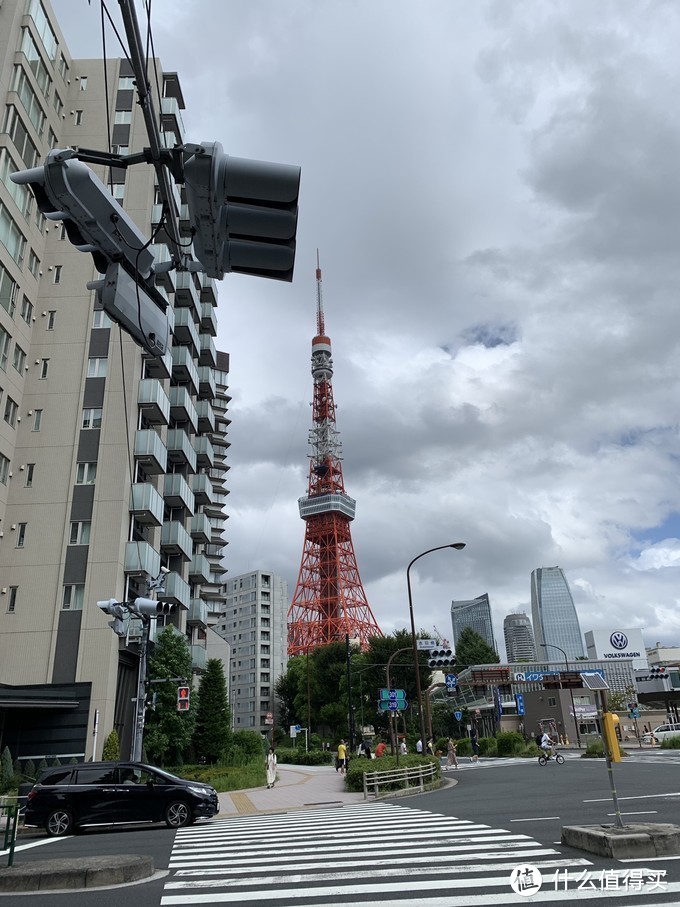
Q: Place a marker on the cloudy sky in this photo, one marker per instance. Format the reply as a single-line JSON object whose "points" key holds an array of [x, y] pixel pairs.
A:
{"points": [[494, 189]]}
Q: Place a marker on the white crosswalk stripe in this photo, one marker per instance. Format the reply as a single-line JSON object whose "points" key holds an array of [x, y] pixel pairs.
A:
{"points": [[358, 855]]}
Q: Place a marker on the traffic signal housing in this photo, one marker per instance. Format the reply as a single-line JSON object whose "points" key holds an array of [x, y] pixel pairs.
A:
{"points": [[243, 213], [656, 672], [183, 698], [117, 611], [149, 607], [440, 658]]}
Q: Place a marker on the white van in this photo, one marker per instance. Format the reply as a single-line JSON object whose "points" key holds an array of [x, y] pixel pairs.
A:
{"points": [[663, 732]]}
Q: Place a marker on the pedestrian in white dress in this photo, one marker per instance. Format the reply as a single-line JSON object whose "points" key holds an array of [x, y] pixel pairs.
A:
{"points": [[271, 767]]}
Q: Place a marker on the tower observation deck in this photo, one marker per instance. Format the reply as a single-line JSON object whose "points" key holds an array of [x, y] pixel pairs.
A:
{"points": [[329, 602]]}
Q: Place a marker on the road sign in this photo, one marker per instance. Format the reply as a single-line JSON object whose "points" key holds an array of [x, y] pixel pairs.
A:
{"points": [[451, 681], [269, 718], [392, 705], [424, 645], [392, 694], [457, 715], [294, 729], [519, 699]]}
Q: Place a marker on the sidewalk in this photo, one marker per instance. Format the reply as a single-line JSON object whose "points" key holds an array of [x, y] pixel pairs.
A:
{"points": [[297, 787]]}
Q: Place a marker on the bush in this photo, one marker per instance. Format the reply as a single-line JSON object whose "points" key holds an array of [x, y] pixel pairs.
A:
{"points": [[594, 750], [354, 779], [509, 743], [464, 747], [671, 743], [245, 747], [6, 771], [487, 746], [111, 751], [298, 756]]}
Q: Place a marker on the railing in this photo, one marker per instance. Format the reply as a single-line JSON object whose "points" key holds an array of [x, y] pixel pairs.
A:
{"points": [[9, 817], [401, 780]]}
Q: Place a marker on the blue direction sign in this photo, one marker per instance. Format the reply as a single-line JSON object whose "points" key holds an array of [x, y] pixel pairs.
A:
{"points": [[392, 694], [457, 715], [519, 699], [392, 705], [451, 681]]}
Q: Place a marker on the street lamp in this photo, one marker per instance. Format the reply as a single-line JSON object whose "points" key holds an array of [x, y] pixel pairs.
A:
{"points": [[459, 547], [545, 645]]}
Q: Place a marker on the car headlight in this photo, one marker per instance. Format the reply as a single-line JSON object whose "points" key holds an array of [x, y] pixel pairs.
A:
{"points": [[201, 791]]}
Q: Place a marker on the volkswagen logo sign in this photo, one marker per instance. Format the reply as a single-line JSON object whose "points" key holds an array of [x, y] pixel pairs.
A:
{"points": [[618, 640]]}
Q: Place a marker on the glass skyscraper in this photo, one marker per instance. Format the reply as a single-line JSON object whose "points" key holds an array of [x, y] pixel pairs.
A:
{"points": [[474, 613], [554, 615], [519, 638]]}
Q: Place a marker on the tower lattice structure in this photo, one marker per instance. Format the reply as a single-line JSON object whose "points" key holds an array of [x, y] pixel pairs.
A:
{"points": [[329, 603]]}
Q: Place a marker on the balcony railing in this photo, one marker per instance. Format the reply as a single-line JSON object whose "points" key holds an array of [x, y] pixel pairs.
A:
{"points": [[207, 351], [141, 559], [177, 493], [182, 408], [183, 367], [202, 489], [176, 541], [177, 590], [186, 331], [198, 612], [199, 569], [205, 455], [208, 289], [199, 658], [146, 504], [206, 383], [180, 449], [200, 528], [206, 415], [150, 451], [153, 401], [208, 318]]}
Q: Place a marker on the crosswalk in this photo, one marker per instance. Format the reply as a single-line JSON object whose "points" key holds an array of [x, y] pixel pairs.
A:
{"points": [[464, 762], [359, 855]]}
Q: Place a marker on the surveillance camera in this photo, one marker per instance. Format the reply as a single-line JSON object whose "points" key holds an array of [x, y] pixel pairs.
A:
{"points": [[165, 570]]}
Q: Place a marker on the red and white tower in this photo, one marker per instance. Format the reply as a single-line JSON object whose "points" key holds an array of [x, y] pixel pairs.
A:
{"points": [[329, 601]]}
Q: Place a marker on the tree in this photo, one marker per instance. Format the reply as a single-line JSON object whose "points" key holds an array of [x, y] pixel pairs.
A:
{"points": [[168, 732], [472, 649], [6, 770], [111, 751], [618, 700], [213, 719]]}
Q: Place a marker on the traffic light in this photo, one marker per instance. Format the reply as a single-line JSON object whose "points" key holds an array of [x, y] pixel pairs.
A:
{"points": [[183, 697], [67, 189], [243, 213], [149, 607], [657, 672], [117, 611], [440, 658]]}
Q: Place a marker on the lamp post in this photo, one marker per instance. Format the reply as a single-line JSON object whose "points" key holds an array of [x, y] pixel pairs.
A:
{"points": [[459, 547], [545, 645]]}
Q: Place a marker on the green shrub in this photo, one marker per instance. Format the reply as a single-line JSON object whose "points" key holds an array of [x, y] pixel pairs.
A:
{"points": [[6, 771], [531, 749], [298, 756], [244, 747], [509, 743], [354, 779], [464, 747], [487, 746], [225, 777], [111, 751], [671, 743], [594, 750], [29, 770]]}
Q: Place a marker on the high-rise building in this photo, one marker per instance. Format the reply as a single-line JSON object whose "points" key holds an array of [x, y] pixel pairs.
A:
{"points": [[554, 615], [112, 462], [254, 625], [476, 614], [519, 638]]}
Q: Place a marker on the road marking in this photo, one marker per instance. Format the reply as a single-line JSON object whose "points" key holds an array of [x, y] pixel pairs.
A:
{"points": [[640, 812], [535, 819], [39, 843], [636, 797]]}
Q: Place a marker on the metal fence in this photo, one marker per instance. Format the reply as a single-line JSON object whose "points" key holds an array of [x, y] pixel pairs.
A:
{"points": [[401, 780], [9, 818]]}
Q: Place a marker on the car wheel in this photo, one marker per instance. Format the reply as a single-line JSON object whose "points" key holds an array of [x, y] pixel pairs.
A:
{"points": [[59, 823], [177, 814]]}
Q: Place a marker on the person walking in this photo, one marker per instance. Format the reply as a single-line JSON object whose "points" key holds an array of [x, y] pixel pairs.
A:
{"points": [[419, 747], [403, 750], [342, 757], [380, 749], [451, 752], [474, 742], [271, 767]]}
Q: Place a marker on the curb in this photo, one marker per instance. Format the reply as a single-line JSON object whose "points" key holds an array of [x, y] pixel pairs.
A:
{"points": [[638, 840], [78, 873]]}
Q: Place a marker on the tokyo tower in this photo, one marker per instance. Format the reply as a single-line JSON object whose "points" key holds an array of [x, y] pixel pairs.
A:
{"points": [[329, 603]]}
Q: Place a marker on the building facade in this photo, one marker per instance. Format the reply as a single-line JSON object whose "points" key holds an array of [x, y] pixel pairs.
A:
{"points": [[112, 462], [254, 625], [554, 616], [474, 613], [519, 638]]}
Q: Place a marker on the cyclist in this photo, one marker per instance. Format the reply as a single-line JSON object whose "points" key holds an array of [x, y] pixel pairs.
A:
{"points": [[548, 745]]}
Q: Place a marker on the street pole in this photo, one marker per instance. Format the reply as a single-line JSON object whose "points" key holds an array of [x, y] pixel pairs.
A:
{"points": [[393, 741], [140, 703], [545, 645], [349, 695], [419, 696]]}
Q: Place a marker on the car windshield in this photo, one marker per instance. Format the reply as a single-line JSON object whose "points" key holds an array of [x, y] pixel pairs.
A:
{"points": [[168, 776]]}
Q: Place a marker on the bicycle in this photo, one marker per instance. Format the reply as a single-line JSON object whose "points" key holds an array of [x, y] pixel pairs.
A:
{"points": [[557, 757]]}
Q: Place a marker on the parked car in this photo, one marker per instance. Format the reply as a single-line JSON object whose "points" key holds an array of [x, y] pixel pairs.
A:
{"points": [[662, 732], [109, 793]]}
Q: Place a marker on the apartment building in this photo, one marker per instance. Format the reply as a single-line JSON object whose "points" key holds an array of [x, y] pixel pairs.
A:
{"points": [[112, 462]]}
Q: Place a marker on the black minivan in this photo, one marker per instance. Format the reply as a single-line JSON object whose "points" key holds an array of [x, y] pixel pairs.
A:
{"points": [[110, 793]]}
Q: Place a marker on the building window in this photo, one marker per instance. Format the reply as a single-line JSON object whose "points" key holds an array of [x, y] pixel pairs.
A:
{"points": [[5, 341], [8, 292], [51, 318], [552, 701], [11, 236], [73, 597], [92, 418], [63, 67], [79, 118], [125, 83], [19, 134], [26, 310], [56, 274], [37, 419], [4, 469], [11, 410], [21, 535], [57, 103], [122, 117], [33, 264], [100, 319], [19, 359], [43, 28], [83, 83], [80, 533], [12, 600], [118, 191], [30, 468], [86, 473], [44, 367], [96, 367]]}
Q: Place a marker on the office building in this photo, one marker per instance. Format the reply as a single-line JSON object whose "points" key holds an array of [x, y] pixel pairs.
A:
{"points": [[476, 614], [254, 625], [554, 615], [112, 462], [519, 638]]}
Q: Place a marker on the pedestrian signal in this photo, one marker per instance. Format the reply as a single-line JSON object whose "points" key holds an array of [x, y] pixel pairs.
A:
{"points": [[183, 695]]}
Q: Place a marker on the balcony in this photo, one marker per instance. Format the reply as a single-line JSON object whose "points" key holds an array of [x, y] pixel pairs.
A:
{"points": [[206, 416], [198, 612], [184, 220], [202, 489], [206, 383], [207, 352], [208, 290], [186, 294], [176, 492], [176, 541], [205, 455], [150, 452], [171, 117], [182, 408], [158, 366], [208, 318], [198, 658], [180, 449], [153, 401], [199, 569], [185, 330], [177, 590], [141, 559], [200, 528], [146, 504], [183, 369], [161, 254]]}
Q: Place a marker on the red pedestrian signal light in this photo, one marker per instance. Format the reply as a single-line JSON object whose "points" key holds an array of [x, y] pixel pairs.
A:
{"points": [[183, 694]]}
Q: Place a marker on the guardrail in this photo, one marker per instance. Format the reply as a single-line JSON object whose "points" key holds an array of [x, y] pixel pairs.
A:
{"points": [[400, 780], [9, 818]]}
